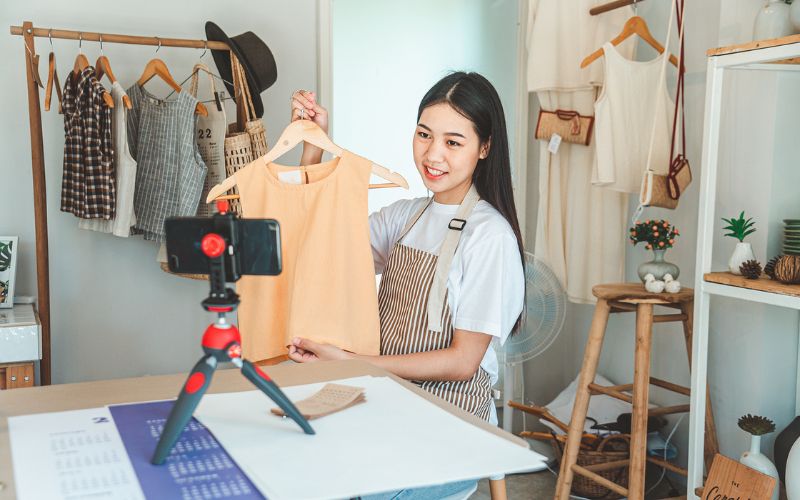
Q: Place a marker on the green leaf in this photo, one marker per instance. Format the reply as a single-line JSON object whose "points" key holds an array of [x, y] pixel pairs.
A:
{"points": [[5, 256]]}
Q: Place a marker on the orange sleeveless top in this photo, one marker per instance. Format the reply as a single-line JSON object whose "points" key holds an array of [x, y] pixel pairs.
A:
{"points": [[326, 291]]}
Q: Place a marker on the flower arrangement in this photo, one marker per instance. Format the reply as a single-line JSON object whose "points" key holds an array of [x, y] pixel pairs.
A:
{"points": [[657, 234]]}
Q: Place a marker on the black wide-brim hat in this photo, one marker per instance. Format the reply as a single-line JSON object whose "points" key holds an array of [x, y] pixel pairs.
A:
{"points": [[256, 58]]}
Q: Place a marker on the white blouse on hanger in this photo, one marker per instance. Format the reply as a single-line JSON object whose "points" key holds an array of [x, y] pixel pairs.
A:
{"points": [[560, 34]]}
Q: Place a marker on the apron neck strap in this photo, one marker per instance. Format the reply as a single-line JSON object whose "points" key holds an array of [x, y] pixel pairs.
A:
{"points": [[438, 291], [414, 218]]}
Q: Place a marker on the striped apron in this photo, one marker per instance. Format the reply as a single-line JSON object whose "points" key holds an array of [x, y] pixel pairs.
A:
{"points": [[415, 314]]}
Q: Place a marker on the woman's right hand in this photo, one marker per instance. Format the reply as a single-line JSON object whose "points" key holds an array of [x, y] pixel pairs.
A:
{"points": [[307, 102], [305, 106]]}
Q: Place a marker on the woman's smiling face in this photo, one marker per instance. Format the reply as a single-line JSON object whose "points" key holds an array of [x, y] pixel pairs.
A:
{"points": [[446, 152]]}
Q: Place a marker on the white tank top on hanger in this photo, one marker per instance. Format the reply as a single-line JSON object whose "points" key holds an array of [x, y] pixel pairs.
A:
{"points": [[624, 113]]}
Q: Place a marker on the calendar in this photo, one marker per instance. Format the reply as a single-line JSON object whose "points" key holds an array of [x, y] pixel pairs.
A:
{"points": [[198, 467]]}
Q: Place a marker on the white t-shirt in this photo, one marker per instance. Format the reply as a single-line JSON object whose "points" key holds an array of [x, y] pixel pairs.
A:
{"points": [[486, 283]]}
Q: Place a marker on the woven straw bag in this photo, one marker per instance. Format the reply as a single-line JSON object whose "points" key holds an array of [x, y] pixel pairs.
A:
{"points": [[664, 191], [238, 153], [253, 125], [569, 125]]}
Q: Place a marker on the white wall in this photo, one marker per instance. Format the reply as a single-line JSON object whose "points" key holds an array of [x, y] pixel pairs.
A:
{"points": [[753, 348], [114, 313], [386, 55]]}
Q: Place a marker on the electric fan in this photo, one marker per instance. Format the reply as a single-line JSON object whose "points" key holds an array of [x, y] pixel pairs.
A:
{"points": [[542, 319]]}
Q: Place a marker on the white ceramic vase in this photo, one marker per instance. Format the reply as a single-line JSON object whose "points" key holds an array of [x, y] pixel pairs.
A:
{"points": [[743, 252], [794, 16], [773, 21], [792, 474], [758, 461]]}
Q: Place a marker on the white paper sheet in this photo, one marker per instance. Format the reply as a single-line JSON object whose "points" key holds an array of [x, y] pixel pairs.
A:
{"points": [[72, 454], [395, 440]]}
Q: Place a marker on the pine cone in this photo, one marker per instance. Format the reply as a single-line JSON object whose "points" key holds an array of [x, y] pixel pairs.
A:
{"points": [[750, 269], [769, 269]]}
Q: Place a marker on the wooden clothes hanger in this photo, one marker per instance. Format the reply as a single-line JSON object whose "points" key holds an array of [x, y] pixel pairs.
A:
{"points": [[81, 63], [52, 78], [157, 67], [103, 67], [306, 131], [634, 26]]}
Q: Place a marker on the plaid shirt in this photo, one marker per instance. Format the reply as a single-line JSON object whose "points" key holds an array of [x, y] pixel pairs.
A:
{"points": [[87, 188]]}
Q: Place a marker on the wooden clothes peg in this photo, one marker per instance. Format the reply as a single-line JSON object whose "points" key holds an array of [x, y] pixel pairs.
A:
{"points": [[634, 26], [306, 131]]}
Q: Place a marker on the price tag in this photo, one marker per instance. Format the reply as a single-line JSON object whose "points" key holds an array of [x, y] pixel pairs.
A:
{"points": [[555, 142]]}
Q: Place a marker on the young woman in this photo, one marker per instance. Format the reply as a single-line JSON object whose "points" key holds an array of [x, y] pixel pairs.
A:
{"points": [[451, 265], [452, 276]]}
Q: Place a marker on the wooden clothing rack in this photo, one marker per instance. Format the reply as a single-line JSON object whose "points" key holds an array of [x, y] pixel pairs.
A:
{"points": [[616, 4], [28, 33]]}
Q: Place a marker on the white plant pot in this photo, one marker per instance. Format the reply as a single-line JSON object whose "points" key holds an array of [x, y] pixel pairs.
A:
{"points": [[758, 461], [743, 252], [792, 474], [773, 21]]}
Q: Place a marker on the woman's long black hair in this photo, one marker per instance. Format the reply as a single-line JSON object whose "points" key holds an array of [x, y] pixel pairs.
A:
{"points": [[471, 95]]}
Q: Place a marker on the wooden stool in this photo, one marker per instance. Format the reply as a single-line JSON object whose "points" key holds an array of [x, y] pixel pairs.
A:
{"points": [[619, 298]]}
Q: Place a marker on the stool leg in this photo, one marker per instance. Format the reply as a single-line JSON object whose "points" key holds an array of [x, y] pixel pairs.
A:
{"points": [[591, 357], [641, 386], [497, 489], [711, 446]]}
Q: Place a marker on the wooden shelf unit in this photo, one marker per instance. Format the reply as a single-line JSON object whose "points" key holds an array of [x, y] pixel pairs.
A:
{"points": [[781, 54]]}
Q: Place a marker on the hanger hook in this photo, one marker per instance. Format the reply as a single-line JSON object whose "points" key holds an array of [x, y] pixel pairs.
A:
{"points": [[80, 42], [101, 44], [159, 45], [205, 48], [50, 37], [635, 7]]}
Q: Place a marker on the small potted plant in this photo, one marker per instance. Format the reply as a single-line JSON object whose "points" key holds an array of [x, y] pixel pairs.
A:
{"points": [[658, 236], [740, 228]]}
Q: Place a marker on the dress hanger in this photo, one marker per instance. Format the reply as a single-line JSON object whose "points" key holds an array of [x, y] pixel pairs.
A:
{"points": [[81, 63], [306, 131], [157, 67], [103, 67], [52, 78], [634, 26]]}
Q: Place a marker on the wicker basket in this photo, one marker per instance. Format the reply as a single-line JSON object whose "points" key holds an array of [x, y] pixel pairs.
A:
{"points": [[612, 448], [237, 154], [200, 277], [253, 125]]}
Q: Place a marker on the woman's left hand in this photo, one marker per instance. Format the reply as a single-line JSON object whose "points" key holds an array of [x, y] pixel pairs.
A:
{"points": [[305, 351]]}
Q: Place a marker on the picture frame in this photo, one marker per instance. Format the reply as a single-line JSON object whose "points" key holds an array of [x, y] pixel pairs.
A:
{"points": [[9, 246]]}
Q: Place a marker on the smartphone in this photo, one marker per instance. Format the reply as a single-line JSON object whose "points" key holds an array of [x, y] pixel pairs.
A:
{"points": [[256, 242]]}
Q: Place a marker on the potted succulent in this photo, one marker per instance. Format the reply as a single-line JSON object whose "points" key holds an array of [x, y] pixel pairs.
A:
{"points": [[740, 228], [658, 236]]}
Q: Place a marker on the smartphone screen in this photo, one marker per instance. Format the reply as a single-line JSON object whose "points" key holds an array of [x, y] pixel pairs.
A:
{"points": [[258, 246]]}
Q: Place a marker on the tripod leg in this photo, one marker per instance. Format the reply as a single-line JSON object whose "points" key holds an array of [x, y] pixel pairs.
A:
{"points": [[271, 389], [184, 407]]}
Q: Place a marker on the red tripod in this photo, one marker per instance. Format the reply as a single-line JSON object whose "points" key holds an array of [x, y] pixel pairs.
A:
{"points": [[221, 342]]}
